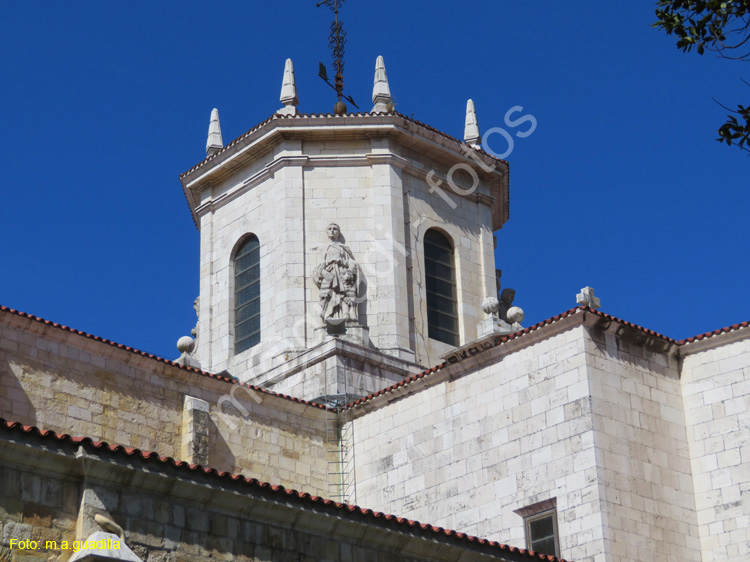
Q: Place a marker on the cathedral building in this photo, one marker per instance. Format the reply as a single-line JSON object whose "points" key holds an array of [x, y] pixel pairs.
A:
{"points": [[359, 386]]}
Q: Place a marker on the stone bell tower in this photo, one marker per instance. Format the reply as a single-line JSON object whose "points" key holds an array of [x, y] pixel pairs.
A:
{"points": [[341, 253]]}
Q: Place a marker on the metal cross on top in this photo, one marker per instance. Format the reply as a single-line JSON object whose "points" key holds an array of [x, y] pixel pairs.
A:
{"points": [[586, 298], [336, 42]]}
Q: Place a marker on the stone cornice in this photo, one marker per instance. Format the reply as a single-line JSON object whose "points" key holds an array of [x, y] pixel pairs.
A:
{"points": [[337, 347], [408, 133]]}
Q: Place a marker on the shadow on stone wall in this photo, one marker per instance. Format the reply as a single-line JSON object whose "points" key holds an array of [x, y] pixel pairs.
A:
{"points": [[642, 351], [73, 390], [15, 404], [220, 454]]}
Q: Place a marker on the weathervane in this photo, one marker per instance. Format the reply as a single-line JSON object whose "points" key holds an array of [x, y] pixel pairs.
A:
{"points": [[336, 42]]}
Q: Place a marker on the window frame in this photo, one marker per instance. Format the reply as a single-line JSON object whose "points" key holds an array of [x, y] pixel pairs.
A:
{"points": [[433, 314], [243, 243], [528, 520]]}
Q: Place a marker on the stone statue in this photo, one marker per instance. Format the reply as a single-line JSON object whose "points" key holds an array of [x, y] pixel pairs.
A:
{"points": [[506, 302], [337, 277]]}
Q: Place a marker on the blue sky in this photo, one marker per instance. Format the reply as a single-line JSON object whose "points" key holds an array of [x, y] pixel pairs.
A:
{"points": [[622, 185]]}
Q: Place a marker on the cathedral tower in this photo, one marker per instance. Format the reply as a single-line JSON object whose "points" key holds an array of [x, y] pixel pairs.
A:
{"points": [[340, 253]]}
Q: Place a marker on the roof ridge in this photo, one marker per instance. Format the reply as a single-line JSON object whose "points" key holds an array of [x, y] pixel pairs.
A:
{"points": [[499, 340], [438, 131], [276, 116], [273, 488], [231, 380], [630, 324], [681, 342], [713, 333]]}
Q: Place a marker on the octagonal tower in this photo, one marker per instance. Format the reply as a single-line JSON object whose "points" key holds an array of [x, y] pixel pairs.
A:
{"points": [[416, 210]]}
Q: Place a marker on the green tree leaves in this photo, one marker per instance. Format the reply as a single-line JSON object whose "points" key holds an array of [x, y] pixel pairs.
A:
{"points": [[719, 26]]}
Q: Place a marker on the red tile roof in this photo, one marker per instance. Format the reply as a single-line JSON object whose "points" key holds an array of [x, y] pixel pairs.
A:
{"points": [[724, 330], [629, 324], [715, 333], [231, 380], [499, 340], [300, 498]]}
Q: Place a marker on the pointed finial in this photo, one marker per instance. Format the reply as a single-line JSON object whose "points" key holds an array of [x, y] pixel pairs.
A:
{"points": [[288, 91], [381, 91], [214, 143], [471, 130]]}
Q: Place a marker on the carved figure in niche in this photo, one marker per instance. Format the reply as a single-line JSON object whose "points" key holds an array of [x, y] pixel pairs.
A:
{"points": [[506, 302], [337, 277]]}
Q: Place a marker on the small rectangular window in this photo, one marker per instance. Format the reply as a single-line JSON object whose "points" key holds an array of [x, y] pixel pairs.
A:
{"points": [[540, 523], [541, 533]]}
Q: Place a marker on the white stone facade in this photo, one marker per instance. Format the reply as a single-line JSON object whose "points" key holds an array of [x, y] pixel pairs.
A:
{"points": [[466, 453], [287, 180], [638, 441], [641, 444], [643, 459], [716, 390]]}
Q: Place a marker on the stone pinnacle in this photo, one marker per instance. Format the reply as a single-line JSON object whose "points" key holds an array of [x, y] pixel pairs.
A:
{"points": [[214, 142], [471, 130], [381, 91], [288, 91]]}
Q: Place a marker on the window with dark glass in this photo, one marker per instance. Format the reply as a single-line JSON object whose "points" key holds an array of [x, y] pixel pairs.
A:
{"points": [[440, 281], [541, 533], [247, 295]]}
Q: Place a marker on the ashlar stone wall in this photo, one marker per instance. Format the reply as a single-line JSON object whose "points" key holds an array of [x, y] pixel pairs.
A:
{"points": [[468, 225], [466, 453], [644, 473], [375, 188], [253, 200], [716, 391], [52, 490], [71, 384], [587, 418]]}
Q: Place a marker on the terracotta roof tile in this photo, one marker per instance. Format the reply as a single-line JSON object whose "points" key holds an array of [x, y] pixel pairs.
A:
{"points": [[499, 340], [715, 333], [720, 331], [629, 324], [397, 523], [502, 339]]}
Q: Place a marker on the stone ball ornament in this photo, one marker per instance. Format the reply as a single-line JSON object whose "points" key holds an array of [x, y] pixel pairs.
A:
{"points": [[185, 344], [490, 305], [515, 315], [339, 108]]}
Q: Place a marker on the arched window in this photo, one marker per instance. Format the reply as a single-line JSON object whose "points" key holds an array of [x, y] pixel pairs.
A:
{"points": [[247, 295], [440, 281]]}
